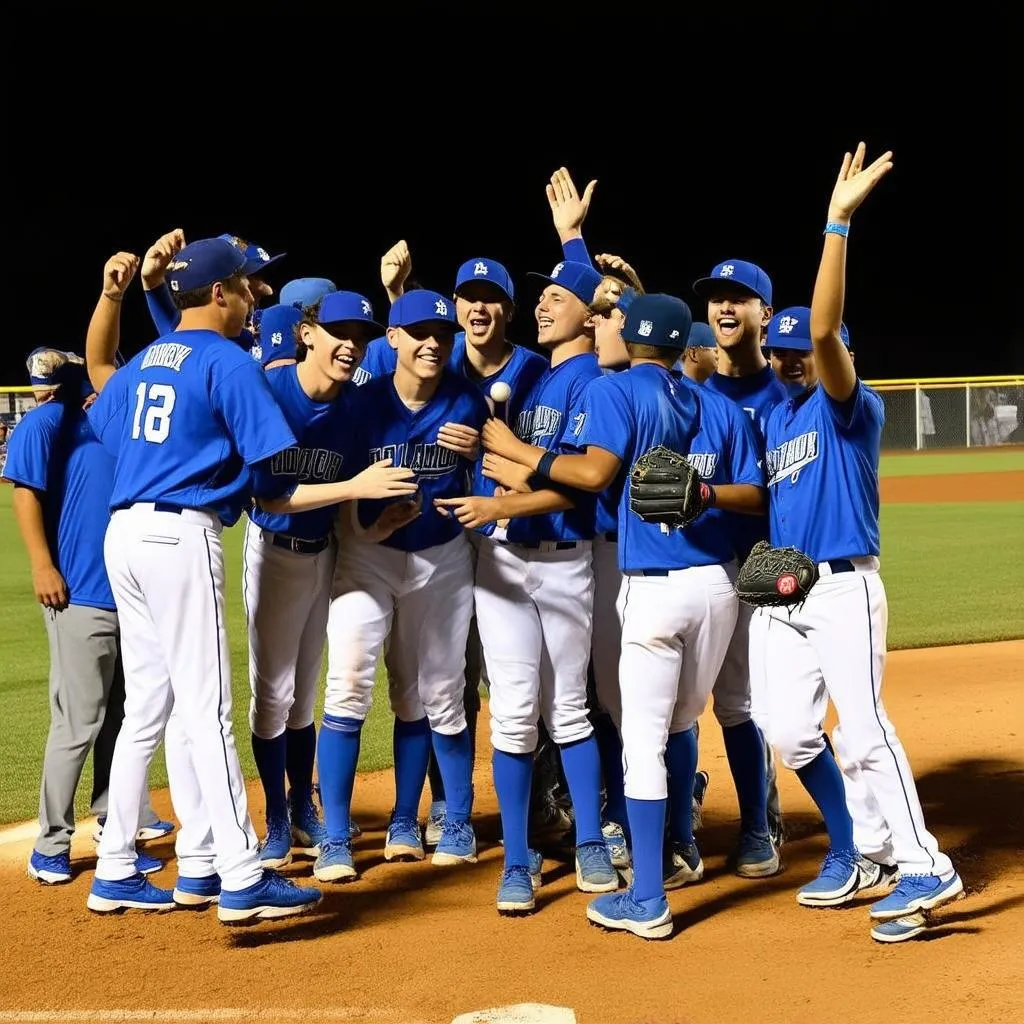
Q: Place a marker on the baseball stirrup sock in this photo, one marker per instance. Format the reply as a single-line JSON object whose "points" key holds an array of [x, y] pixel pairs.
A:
{"points": [[270, 762], [582, 767], [337, 757], [647, 824], [301, 755], [411, 745], [609, 747], [455, 760], [681, 765], [745, 749], [434, 777], [513, 775], [824, 781]]}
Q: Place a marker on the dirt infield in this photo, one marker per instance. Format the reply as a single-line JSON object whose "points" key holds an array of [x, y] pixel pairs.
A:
{"points": [[414, 943], [953, 487]]}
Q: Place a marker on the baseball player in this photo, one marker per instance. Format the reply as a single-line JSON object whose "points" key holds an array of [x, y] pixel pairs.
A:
{"points": [[534, 602], [739, 297], [305, 291], [822, 459], [274, 337], [186, 418], [408, 590], [62, 480], [700, 359]]}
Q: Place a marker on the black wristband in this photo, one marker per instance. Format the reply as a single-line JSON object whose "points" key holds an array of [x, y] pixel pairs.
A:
{"points": [[544, 466]]}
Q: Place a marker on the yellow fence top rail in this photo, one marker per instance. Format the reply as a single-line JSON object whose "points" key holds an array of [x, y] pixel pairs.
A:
{"points": [[907, 382]]}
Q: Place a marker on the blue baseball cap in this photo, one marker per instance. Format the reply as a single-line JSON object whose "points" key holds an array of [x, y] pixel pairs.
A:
{"points": [[747, 275], [49, 368], [306, 291], [626, 299], [202, 262], [791, 328], [257, 259], [701, 336], [579, 278], [275, 337], [338, 306], [422, 306], [660, 320], [482, 269]]}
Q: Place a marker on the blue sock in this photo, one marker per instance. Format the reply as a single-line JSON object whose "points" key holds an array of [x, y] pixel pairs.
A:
{"points": [[582, 767], [411, 745], [744, 746], [513, 774], [824, 781], [609, 745], [647, 825], [300, 757], [681, 765], [270, 758], [337, 757], [455, 760]]}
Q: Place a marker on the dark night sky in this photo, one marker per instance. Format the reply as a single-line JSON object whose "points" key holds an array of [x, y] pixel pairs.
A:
{"points": [[711, 139]]}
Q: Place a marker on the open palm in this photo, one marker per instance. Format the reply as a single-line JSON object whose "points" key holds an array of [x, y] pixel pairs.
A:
{"points": [[856, 181]]}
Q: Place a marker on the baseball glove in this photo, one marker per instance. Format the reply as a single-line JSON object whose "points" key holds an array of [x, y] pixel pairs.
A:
{"points": [[775, 577], [664, 488]]}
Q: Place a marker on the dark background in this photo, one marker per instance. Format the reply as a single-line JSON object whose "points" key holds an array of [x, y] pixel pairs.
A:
{"points": [[711, 138]]}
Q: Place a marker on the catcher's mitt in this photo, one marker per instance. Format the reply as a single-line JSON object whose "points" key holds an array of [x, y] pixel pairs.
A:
{"points": [[775, 577], [664, 488]]}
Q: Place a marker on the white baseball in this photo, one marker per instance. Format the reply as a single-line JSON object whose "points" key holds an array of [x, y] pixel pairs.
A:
{"points": [[500, 392]]}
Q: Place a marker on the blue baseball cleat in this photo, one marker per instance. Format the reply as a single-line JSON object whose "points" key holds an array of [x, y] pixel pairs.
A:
{"points": [[682, 866], [134, 893], [403, 839], [536, 868], [335, 863], [197, 892], [620, 911], [515, 893], [836, 883], [594, 871], [50, 870], [146, 865], [435, 822], [917, 892], [272, 896], [756, 856], [899, 929], [155, 830], [276, 848], [618, 849], [308, 830], [457, 844]]}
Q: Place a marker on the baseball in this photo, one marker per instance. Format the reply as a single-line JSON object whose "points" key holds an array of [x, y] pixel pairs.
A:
{"points": [[500, 392]]}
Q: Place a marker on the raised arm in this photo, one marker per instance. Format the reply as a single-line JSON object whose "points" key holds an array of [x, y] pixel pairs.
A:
{"points": [[568, 212], [164, 313], [104, 333], [395, 267]]}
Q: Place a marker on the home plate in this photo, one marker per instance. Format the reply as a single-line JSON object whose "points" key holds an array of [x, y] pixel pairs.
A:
{"points": [[521, 1013]]}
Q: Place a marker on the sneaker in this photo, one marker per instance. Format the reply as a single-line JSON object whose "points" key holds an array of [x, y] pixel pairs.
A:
{"points": [[536, 868], [515, 893], [550, 822], [435, 822], [917, 892], [682, 866], [615, 840], [271, 896], [700, 789], [619, 911], [836, 882], [899, 929], [403, 839], [457, 845], [276, 848], [155, 830], [308, 830], [756, 856], [50, 870], [197, 892], [134, 893], [594, 871], [146, 865], [335, 863], [875, 877]]}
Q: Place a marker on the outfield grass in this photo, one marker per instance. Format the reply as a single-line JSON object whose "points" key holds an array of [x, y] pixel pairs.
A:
{"points": [[979, 460], [952, 574]]}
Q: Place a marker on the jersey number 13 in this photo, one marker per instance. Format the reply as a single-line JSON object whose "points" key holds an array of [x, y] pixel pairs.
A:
{"points": [[156, 424]]}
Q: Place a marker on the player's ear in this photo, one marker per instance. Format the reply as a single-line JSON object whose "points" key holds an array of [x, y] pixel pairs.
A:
{"points": [[510, 312], [307, 335], [392, 336], [766, 314]]}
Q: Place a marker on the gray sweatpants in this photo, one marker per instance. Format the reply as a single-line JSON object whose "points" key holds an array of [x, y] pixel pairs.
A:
{"points": [[86, 708]]}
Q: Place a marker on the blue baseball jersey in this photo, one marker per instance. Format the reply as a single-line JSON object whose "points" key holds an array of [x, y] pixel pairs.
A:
{"points": [[646, 406], [606, 508], [323, 433], [56, 453], [823, 473], [385, 428], [544, 421], [757, 395], [186, 419]]}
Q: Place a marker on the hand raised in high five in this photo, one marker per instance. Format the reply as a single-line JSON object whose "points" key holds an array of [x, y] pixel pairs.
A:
{"points": [[118, 272], [855, 182], [395, 267], [568, 208], [158, 255]]}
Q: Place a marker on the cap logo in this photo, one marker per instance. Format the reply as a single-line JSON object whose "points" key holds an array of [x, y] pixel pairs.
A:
{"points": [[367, 308], [674, 334], [276, 338], [787, 323], [256, 352], [440, 307], [727, 271], [178, 265], [263, 254], [480, 268], [645, 328], [557, 270]]}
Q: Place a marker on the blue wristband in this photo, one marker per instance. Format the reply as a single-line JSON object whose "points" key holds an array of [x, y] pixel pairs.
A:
{"points": [[544, 466], [831, 228]]}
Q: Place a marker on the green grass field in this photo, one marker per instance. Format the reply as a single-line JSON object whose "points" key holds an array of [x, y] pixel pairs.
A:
{"points": [[952, 573], [981, 460]]}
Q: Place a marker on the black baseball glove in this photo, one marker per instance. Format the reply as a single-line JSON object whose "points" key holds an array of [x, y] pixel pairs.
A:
{"points": [[665, 488], [775, 577]]}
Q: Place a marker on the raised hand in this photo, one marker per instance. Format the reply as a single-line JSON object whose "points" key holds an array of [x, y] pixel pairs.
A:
{"points": [[118, 272], [568, 208], [158, 255], [382, 480], [395, 267], [855, 182]]}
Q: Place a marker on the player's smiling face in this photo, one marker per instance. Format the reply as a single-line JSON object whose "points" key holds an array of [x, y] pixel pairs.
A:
{"points": [[794, 367], [561, 316], [736, 315], [337, 349], [482, 310], [423, 349]]}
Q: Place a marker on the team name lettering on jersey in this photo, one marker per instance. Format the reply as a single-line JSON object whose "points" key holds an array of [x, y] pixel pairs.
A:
{"points": [[307, 464], [169, 354], [361, 376], [791, 457], [704, 462], [537, 423], [426, 460]]}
